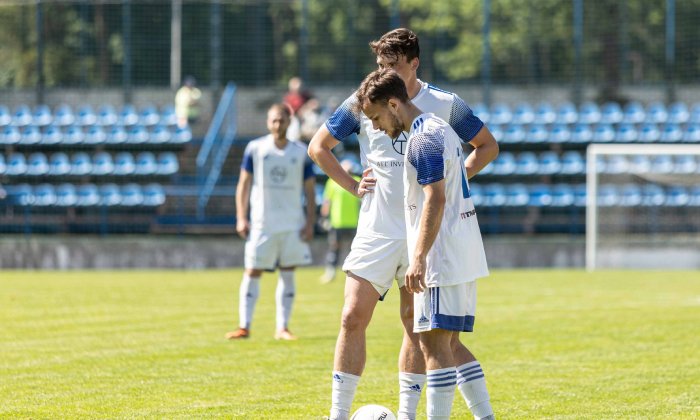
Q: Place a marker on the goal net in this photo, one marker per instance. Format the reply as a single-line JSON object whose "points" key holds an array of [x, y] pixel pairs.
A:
{"points": [[643, 206]]}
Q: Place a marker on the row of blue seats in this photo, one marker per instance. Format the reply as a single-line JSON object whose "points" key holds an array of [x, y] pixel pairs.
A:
{"points": [[589, 113], [86, 195], [82, 164], [596, 133], [567, 195], [106, 115], [95, 135], [574, 163]]}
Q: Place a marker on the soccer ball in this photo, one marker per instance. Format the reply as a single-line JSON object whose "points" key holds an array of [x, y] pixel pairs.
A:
{"points": [[373, 412]]}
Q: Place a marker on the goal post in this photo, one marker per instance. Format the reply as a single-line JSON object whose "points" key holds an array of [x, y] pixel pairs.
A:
{"points": [[643, 206]]}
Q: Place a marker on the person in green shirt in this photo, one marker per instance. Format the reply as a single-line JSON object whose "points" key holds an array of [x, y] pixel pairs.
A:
{"points": [[342, 210]]}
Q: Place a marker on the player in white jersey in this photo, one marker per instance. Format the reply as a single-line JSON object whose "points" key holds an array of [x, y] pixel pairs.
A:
{"points": [[379, 252], [444, 243], [277, 234]]}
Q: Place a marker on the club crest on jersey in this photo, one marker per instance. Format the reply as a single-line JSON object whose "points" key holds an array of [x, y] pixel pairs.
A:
{"points": [[399, 143], [278, 174]]}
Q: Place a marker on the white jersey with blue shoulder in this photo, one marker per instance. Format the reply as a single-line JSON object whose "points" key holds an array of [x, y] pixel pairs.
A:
{"points": [[434, 152], [278, 184], [381, 214]]}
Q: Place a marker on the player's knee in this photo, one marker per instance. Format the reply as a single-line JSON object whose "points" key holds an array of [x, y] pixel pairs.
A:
{"points": [[353, 319]]}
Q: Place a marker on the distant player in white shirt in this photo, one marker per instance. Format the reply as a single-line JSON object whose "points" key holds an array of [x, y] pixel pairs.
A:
{"points": [[445, 250], [277, 232], [379, 252]]}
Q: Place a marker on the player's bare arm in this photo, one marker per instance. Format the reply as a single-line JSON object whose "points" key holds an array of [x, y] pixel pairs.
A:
{"points": [[320, 151], [485, 151], [242, 203], [307, 232], [430, 221]]}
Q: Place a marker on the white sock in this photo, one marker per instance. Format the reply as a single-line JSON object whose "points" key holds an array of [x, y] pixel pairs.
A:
{"points": [[441, 393], [248, 296], [344, 386], [285, 298], [410, 387], [472, 386]]}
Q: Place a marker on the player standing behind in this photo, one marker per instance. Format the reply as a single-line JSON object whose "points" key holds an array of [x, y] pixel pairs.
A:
{"points": [[379, 252], [444, 243], [277, 233]]}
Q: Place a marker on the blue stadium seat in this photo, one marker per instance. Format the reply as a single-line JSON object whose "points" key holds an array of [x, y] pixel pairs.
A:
{"points": [[630, 195], [52, 135], [167, 116], [616, 164], [540, 195], [504, 164], [86, 116], [579, 195], [128, 115], [117, 135], [685, 164], [486, 170], [523, 114], [3, 165], [634, 113], [694, 193], [64, 116], [678, 113], [581, 133], [671, 133], [476, 193], [662, 164], [608, 196], [31, 135], [603, 133], [545, 113], [160, 134], [110, 195], [567, 113], [107, 115], [37, 164], [497, 132], [102, 164], [10, 135], [494, 195], [44, 195], [526, 164], [589, 113], [626, 133], [22, 195], [181, 136], [80, 164], [42, 116], [695, 113], [138, 134], [59, 164], [516, 195], [563, 195], [611, 113], [653, 195], [149, 116], [501, 114], [167, 164], [537, 133], [22, 116], [146, 164], [482, 111], [153, 195], [131, 195], [95, 135], [657, 113], [548, 164], [16, 165], [601, 162], [649, 133], [692, 133], [677, 196], [572, 163], [513, 134], [5, 116], [124, 164], [66, 195], [73, 135], [87, 195], [639, 164]]}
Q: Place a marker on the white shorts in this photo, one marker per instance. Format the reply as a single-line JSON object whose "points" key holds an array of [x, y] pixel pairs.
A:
{"points": [[445, 307], [379, 261], [264, 251]]}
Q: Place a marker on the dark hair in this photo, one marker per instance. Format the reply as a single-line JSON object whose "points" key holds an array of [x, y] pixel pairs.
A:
{"points": [[380, 86], [396, 43], [283, 107]]}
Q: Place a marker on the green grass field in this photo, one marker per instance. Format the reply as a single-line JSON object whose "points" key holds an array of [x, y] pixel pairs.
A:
{"points": [[149, 344]]}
